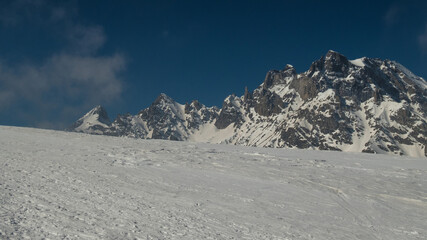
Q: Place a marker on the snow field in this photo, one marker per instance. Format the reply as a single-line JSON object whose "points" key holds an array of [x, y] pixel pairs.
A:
{"points": [[61, 185]]}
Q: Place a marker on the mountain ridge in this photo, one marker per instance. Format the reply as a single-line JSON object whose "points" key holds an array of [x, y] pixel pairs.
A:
{"points": [[362, 105]]}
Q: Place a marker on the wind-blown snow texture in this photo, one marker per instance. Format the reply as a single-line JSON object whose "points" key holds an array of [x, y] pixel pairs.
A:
{"points": [[363, 105], [63, 185]]}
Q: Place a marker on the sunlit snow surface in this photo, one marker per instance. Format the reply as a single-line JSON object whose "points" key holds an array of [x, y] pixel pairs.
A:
{"points": [[358, 62], [67, 185]]}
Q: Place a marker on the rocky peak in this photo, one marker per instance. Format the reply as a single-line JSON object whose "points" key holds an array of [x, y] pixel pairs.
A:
{"points": [[160, 106], [331, 54], [289, 71], [316, 66], [275, 77], [99, 113], [193, 106], [162, 99], [230, 112], [196, 104], [333, 62], [95, 121], [336, 62], [288, 67]]}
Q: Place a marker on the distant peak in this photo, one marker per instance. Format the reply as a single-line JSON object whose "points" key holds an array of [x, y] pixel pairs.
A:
{"points": [[163, 95], [99, 113], [163, 98], [97, 110], [288, 67], [335, 62], [275, 77], [334, 54], [289, 70], [196, 104]]}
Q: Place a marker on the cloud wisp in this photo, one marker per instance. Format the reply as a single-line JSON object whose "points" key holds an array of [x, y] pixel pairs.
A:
{"points": [[392, 15], [422, 40], [66, 83]]}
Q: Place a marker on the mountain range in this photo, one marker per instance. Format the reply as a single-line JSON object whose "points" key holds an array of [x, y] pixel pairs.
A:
{"points": [[363, 105]]}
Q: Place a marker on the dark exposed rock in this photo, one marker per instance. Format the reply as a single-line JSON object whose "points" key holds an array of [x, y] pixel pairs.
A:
{"points": [[305, 86], [268, 103], [316, 66], [403, 116], [368, 150], [103, 115], [275, 77], [336, 62], [194, 106], [406, 141], [230, 113], [293, 139], [248, 95]]}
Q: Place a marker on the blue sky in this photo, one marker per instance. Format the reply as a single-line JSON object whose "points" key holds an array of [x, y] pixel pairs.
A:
{"points": [[58, 59]]}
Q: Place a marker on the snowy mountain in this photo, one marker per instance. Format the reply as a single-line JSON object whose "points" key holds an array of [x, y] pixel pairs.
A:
{"points": [[96, 121], [363, 105]]}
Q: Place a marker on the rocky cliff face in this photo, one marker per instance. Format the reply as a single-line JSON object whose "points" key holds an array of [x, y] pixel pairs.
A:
{"points": [[362, 105]]}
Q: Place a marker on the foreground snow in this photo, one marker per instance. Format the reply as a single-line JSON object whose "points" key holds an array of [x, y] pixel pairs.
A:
{"points": [[69, 185]]}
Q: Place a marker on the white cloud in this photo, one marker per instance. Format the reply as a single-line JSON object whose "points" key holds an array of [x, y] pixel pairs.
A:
{"points": [[66, 83], [63, 79]]}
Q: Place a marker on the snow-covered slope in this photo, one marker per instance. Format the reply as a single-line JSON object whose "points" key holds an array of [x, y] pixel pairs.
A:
{"points": [[363, 105], [63, 185], [96, 121]]}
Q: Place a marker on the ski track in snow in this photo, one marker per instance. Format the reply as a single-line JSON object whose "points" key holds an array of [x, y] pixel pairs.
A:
{"points": [[62, 185]]}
